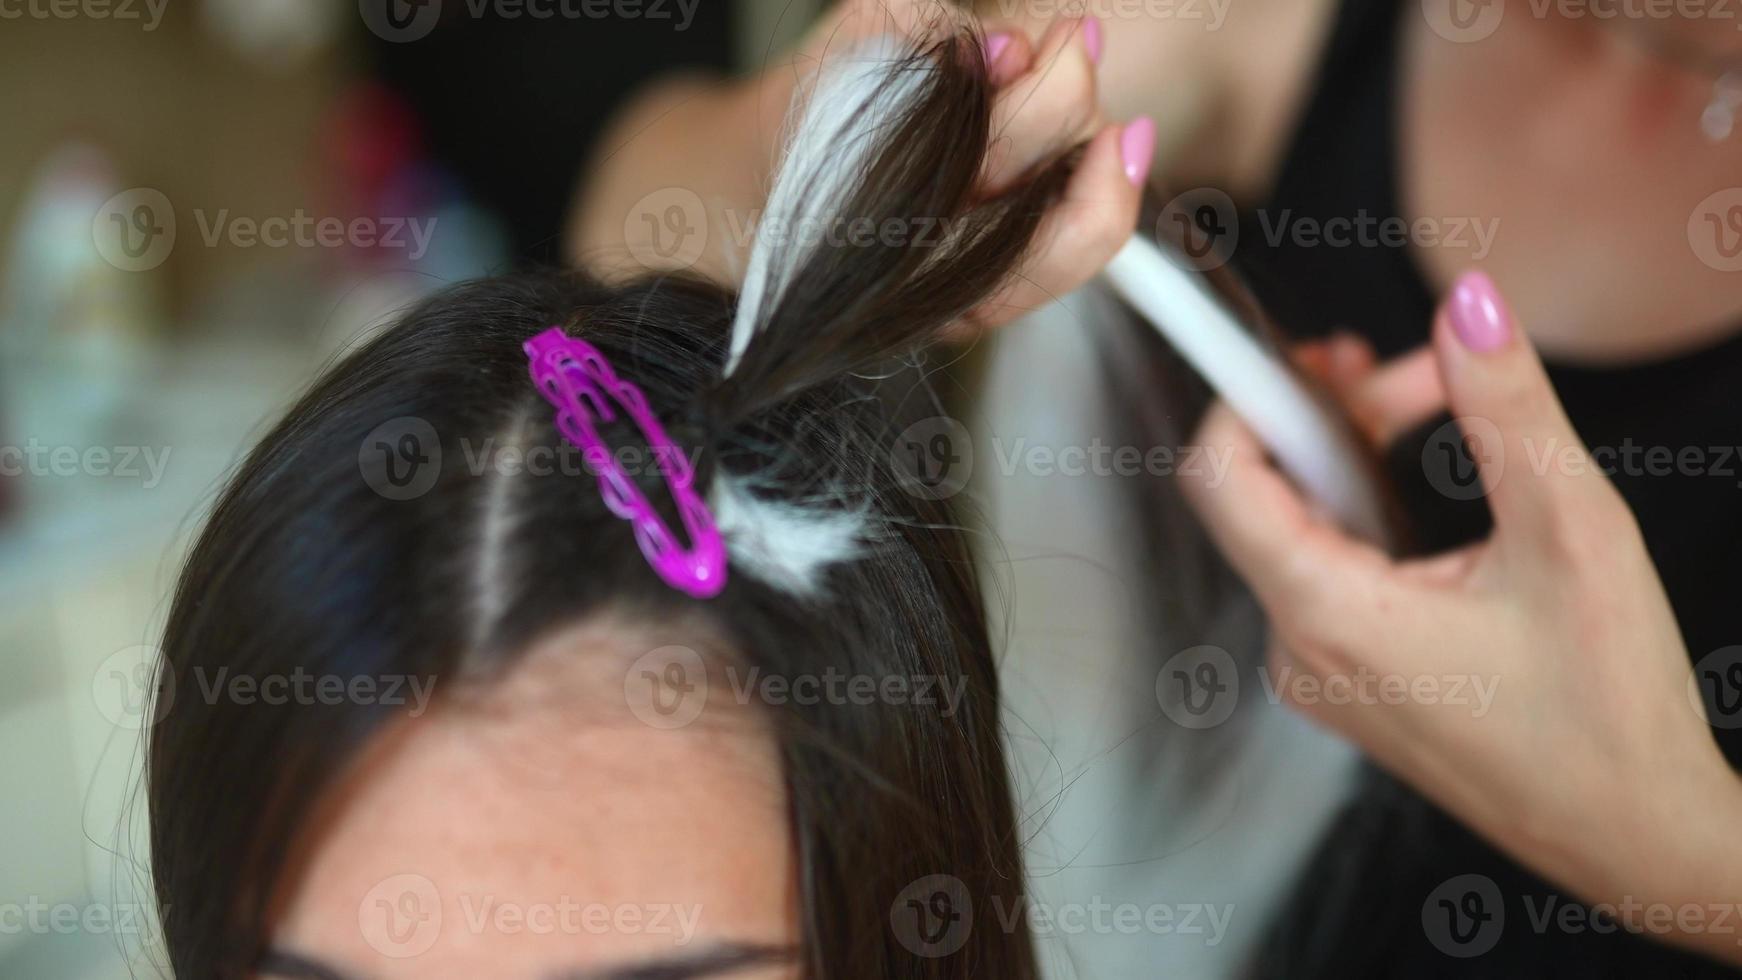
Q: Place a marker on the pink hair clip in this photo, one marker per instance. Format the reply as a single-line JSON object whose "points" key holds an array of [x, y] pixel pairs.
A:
{"points": [[575, 378]]}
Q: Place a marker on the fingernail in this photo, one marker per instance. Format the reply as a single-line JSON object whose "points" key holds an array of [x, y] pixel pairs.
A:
{"points": [[1092, 37], [996, 44], [1479, 316], [1137, 149]]}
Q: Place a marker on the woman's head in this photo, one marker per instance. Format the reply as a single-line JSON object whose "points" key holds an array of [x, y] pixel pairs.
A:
{"points": [[801, 773]]}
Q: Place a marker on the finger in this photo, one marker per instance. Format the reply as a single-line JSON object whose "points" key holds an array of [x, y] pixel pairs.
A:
{"points": [[1313, 357], [1511, 418], [1350, 357], [1395, 397], [1294, 561], [1091, 222], [1009, 53], [1053, 105]]}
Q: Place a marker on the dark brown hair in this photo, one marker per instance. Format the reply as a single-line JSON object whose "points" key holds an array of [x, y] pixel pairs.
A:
{"points": [[305, 566]]}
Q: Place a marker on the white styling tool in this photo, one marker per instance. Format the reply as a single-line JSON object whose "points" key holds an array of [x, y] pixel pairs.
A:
{"points": [[1309, 445]]}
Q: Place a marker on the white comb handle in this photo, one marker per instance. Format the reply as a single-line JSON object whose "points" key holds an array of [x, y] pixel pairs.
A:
{"points": [[1309, 446]]}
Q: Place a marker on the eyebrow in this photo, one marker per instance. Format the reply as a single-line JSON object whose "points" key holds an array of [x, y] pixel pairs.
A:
{"points": [[716, 960]]}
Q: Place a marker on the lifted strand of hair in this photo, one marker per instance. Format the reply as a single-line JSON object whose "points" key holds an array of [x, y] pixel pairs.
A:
{"points": [[889, 143]]}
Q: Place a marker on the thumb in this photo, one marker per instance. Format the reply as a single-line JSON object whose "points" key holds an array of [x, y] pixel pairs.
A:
{"points": [[1533, 464]]}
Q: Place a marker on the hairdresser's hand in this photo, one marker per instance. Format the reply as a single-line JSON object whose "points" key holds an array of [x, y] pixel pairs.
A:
{"points": [[1572, 741], [1047, 102]]}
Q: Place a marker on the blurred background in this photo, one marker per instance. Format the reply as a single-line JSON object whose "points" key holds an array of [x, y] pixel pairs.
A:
{"points": [[202, 202]]}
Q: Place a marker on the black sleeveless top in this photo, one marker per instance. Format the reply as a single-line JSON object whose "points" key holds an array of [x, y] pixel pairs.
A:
{"points": [[1400, 889]]}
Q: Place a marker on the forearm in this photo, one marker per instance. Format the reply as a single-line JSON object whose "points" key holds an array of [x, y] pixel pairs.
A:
{"points": [[1693, 877]]}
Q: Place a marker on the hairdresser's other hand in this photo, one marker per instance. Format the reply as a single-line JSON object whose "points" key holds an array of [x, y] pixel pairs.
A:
{"points": [[1585, 757], [1048, 101]]}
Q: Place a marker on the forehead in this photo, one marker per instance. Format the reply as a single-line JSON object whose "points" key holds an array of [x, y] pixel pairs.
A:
{"points": [[543, 826]]}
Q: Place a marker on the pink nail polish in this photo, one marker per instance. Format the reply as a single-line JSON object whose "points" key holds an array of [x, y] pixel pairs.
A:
{"points": [[1479, 315], [1137, 149], [996, 45], [1092, 37]]}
